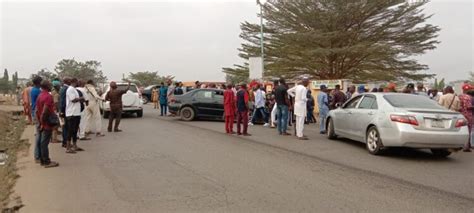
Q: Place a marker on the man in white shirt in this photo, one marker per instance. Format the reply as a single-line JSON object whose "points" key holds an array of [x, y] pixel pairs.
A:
{"points": [[83, 124], [259, 106], [92, 110], [299, 92], [73, 116]]}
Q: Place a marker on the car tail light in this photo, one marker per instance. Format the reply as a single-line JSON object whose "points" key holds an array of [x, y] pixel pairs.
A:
{"points": [[406, 119], [461, 122]]}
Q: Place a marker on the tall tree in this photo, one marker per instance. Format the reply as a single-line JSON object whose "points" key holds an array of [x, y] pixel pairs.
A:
{"points": [[82, 70], [6, 77], [45, 75], [147, 78], [335, 39], [15, 80]]}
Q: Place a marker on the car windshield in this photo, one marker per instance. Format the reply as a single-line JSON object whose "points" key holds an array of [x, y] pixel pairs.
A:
{"points": [[133, 88], [412, 101]]}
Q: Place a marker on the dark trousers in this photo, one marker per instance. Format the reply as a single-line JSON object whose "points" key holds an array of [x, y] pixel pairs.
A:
{"points": [[64, 133], [262, 112], [229, 123], [72, 123], [164, 108], [242, 118], [116, 115], [43, 148]]}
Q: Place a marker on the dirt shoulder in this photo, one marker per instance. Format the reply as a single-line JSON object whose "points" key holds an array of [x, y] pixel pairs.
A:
{"points": [[12, 127]]}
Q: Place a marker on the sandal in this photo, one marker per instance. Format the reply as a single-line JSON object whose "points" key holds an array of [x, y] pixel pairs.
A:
{"points": [[51, 164], [70, 151]]}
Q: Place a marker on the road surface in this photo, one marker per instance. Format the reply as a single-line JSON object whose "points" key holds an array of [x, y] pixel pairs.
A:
{"points": [[161, 164]]}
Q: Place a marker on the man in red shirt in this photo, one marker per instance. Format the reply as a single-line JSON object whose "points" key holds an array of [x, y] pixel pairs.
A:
{"points": [[45, 109], [229, 109]]}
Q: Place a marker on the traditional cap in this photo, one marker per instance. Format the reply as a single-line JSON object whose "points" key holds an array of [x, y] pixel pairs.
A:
{"points": [[466, 87], [56, 83]]}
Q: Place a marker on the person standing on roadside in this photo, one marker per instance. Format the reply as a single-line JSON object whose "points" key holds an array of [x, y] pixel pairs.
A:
{"points": [[323, 105], [338, 97], [115, 98], [299, 92], [259, 106], [83, 124], [73, 116], [154, 97], [34, 93], [229, 109], [93, 109], [465, 109], [62, 106], [27, 102], [283, 103], [449, 100], [55, 95], [350, 92], [179, 88], [420, 90], [274, 109], [242, 110], [45, 110], [163, 99]]}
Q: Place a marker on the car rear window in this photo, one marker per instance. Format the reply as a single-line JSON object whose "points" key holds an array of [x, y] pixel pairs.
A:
{"points": [[133, 88], [412, 101]]}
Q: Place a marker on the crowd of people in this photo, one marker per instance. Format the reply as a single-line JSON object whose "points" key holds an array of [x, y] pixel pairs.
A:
{"points": [[284, 106], [69, 108]]}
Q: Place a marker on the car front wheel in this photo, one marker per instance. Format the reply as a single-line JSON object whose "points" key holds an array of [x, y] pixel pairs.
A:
{"points": [[440, 152], [145, 99], [187, 114], [330, 130], [373, 141]]}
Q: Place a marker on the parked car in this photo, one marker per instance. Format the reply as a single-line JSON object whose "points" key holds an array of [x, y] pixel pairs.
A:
{"points": [[131, 100], [383, 120], [146, 94], [199, 103]]}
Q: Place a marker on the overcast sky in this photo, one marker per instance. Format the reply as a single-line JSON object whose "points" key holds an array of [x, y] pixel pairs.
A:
{"points": [[191, 40]]}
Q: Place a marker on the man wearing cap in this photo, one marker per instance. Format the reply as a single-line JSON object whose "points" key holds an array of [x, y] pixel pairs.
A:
{"points": [[323, 104], [466, 110], [299, 92]]}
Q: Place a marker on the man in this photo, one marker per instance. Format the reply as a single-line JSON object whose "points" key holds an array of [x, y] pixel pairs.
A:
{"points": [[163, 94], [242, 110], [283, 103], [73, 116], [421, 90], [93, 110], [83, 124], [259, 106], [115, 98], [350, 92], [338, 97], [34, 93], [27, 102], [178, 88], [197, 85], [229, 109], [299, 92], [449, 100], [55, 95], [360, 90], [62, 107], [323, 105], [465, 108], [45, 108], [410, 88]]}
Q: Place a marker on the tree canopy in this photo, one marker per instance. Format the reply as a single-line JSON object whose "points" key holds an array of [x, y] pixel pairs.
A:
{"points": [[337, 39], [88, 70], [148, 78]]}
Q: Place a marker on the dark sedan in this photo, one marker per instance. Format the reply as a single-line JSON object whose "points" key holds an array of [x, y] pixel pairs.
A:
{"points": [[199, 103], [146, 94]]}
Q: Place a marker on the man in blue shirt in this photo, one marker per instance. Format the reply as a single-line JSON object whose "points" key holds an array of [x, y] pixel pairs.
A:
{"points": [[323, 105], [35, 91]]}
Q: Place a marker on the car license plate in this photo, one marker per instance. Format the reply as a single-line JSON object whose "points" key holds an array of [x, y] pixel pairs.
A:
{"points": [[437, 124]]}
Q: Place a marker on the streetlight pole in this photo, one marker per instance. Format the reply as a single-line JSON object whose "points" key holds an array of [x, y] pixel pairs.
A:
{"points": [[262, 53]]}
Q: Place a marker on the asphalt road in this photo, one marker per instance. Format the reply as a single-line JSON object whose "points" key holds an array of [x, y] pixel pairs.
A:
{"points": [[161, 164]]}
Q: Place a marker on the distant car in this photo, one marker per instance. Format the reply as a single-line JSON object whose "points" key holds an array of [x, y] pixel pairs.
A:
{"points": [[146, 94], [384, 120], [199, 103], [131, 100]]}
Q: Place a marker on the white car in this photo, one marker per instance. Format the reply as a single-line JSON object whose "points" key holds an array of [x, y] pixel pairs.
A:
{"points": [[131, 101]]}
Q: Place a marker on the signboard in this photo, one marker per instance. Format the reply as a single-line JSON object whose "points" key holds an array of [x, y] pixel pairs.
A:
{"points": [[330, 84], [255, 68]]}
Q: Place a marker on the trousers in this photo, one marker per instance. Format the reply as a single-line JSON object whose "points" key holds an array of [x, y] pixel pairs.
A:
{"points": [[94, 121], [72, 123], [299, 125], [43, 148], [282, 114], [82, 125], [242, 122], [273, 114], [322, 120], [229, 124], [115, 114]]}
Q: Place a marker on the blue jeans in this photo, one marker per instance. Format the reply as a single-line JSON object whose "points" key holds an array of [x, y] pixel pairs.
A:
{"points": [[282, 117], [163, 108], [43, 148], [262, 112], [322, 120], [37, 138]]}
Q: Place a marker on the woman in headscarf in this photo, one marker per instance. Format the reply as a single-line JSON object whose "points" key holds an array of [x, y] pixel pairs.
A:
{"points": [[466, 110]]}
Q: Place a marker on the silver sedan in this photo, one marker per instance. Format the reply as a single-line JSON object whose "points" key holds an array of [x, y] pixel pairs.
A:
{"points": [[384, 120]]}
